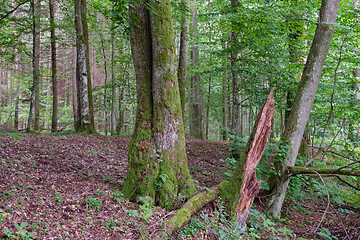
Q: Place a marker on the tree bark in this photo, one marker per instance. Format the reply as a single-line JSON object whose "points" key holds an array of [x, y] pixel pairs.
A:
{"points": [[183, 58], [238, 194], [54, 120], [85, 114], [196, 110], [157, 164], [304, 99], [235, 126], [35, 93]]}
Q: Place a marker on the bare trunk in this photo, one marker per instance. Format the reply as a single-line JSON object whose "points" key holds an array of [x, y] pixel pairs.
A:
{"points": [[54, 120], [303, 102], [85, 114], [196, 113], [183, 58], [235, 126], [35, 93]]}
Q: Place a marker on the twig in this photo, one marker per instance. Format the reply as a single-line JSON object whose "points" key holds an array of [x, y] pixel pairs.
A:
{"points": [[327, 207], [342, 224], [347, 183]]}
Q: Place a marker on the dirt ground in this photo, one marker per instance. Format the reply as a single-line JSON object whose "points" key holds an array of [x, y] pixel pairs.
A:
{"points": [[69, 187]]}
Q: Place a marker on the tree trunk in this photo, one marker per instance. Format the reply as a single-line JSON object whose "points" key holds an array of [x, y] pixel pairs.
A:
{"points": [[113, 86], [304, 99], [235, 126], [35, 93], [54, 120], [85, 113], [238, 194], [196, 113], [157, 164], [183, 58]]}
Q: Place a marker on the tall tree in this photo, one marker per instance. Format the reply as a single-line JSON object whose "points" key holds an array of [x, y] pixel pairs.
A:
{"points": [[196, 101], [235, 125], [304, 99], [184, 48], [85, 113], [54, 118], [35, 91], [157, 163]]}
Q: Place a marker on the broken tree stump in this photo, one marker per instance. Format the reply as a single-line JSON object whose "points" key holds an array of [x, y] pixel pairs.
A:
{"points": [[238, 195]]}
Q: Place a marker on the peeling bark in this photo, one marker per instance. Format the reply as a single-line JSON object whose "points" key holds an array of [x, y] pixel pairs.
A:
{"points": [[239, 193]]}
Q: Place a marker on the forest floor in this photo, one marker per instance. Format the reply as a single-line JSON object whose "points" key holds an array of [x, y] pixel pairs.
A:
{"points": [[69, 187]]}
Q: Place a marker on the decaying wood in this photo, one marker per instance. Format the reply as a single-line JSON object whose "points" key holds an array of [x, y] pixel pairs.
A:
{"points": [[256, 147], [250, 186]]}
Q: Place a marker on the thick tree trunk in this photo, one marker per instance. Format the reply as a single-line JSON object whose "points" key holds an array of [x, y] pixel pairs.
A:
{"points": [[168, 128], [54, 120], [238, 194], [85, 113], [183, 58], [157, 164], [295, 126], [142, 170]]}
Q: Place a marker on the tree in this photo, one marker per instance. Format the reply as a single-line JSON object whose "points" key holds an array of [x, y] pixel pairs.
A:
{"points": [[157, 163], [304, 99], [85, 113], [195, 98], [235, 125], [183, 58], [54, 119], [35, 93]]}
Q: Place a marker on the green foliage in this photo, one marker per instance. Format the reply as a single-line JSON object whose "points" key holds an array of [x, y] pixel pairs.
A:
{"points": [[93, 203], [326, 234], [192, 228], [21, 233]]}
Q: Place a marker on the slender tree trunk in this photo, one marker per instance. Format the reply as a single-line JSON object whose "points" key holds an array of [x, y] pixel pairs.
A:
{"points": [[85, 113], [113, 86], [235, 126], [196, 114], [35, 93], [304, 99], [208, 110], [105, 87], [54, 120], [183, 58]]}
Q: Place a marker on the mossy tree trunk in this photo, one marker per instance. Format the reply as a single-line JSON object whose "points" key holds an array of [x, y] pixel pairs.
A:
{"points": [[157, 163], [85, 114], [304, 99]]}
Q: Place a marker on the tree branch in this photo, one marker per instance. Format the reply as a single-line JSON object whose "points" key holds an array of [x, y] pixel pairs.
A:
{"points": [[13, 10], [295, 170]]}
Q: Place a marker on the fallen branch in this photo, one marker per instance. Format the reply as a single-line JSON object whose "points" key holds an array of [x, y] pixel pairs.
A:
{"points": [[192, 206], [295, 170]]}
